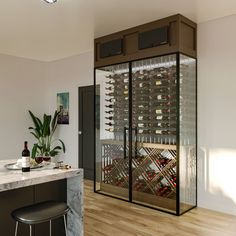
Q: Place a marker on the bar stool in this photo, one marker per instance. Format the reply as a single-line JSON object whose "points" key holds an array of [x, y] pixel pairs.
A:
{"points": [[39, 213]]}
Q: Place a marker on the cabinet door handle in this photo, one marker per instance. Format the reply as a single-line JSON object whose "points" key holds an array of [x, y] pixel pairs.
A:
{"points": [[125, 142]]}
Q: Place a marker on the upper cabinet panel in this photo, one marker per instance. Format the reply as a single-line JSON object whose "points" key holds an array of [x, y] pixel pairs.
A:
{"points": [[172, 34], [111, 48], [188, 36], [153, 38]]}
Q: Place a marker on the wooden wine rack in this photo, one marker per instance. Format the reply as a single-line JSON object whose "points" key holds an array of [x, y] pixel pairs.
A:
{"points": [[154, 172]]}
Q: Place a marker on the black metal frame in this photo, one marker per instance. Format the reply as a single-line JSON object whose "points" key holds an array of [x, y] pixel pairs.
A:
{"points": [[177, 135], [130, 134], [94, 127], [178, 213]]}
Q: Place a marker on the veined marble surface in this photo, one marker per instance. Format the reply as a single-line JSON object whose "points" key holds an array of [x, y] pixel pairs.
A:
{"points": [[12, 179]]}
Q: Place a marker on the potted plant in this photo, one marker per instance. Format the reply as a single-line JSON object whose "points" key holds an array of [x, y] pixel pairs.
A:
{"points": [[43, 130]]}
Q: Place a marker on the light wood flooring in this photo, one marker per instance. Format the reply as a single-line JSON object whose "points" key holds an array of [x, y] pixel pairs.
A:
{"points": [[105, 216]]}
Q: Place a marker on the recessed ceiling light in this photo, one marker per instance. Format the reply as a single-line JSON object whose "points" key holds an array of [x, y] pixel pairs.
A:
{"points": [[50, 1]]}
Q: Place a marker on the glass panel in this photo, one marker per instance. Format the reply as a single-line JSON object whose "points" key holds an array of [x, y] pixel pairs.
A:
{"points": [[154, 119], [187, 149], [112, 120]]}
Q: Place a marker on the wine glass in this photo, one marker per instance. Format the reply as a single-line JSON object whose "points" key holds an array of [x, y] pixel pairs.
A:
{"points": [[39, 159], [47, 160]]}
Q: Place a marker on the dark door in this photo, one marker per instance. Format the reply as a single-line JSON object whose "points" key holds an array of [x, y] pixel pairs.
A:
{"points": [[86, 131]]}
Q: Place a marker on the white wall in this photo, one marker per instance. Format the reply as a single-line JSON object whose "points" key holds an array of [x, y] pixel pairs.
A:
{"points": [[33, 85], [217, 114], [67, 75], [21, 88]]}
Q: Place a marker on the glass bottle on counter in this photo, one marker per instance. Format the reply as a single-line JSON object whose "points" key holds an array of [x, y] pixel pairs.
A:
{"points": [[25, 158]]}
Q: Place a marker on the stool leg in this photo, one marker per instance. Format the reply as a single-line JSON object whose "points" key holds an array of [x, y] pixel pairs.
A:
{"points": [[16, 228], [65, 224], [30, 230], [50, 226]]}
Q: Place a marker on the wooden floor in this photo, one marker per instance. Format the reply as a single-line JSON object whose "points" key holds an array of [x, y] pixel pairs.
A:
{"points": [[105, 216]]}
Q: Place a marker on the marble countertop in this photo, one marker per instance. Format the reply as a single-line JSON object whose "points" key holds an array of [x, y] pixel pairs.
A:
{"points": [[12, 179]]}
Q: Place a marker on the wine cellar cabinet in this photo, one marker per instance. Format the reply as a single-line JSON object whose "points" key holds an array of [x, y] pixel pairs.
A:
{"points": [[145, 126]]}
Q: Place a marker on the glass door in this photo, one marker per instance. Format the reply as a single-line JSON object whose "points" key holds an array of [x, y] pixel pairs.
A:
{"points": [[112, 125], [187, 132], [154, 112]]}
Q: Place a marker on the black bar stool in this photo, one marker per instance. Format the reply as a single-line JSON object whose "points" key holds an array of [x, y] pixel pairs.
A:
{"points": [[39, 213]]}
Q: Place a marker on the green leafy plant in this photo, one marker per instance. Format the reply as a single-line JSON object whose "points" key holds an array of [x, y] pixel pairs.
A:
{"points": [[43, 131]]}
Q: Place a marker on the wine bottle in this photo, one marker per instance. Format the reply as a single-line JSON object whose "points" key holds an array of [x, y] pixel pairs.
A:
{"points": [[158, 111], [143, 85], [163, 97], [159, 117], [109, 124], [143, 131], [140, 125], [110, 100], [142, 117], [173, 177], [158, 131], [109, 117], [109, 106], [109, 76], [25, 158], [165, 125], [141, 106], [162, 82], [165, 111], [110, 82], [110, 130], [109, 88], [160, 90], [109, 112], [110, 94]]}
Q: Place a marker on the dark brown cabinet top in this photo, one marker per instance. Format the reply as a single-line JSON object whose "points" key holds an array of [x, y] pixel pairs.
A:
{"points": [[168, 35]]}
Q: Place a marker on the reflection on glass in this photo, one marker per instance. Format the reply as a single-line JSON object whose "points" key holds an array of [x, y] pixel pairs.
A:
{"points": [[112, 170], [154, 117], [187, 159]]}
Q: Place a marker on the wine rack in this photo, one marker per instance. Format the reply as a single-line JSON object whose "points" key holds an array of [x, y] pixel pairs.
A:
{"points": [[117, 106], [146, 143], [154, 170], [153, 102]]}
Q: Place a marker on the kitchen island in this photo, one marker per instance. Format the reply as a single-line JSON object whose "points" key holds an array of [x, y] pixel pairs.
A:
{"points": [[18, 189]]}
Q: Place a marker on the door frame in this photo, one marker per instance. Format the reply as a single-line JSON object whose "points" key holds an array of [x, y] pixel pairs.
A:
{"points": [[80, 123]]}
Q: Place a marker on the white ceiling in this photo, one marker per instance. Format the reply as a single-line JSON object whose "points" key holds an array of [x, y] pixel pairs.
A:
{"points": [[36, 30]]}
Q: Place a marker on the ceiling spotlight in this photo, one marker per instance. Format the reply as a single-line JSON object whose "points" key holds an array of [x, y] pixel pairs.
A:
{"points": [[50, 1]]}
